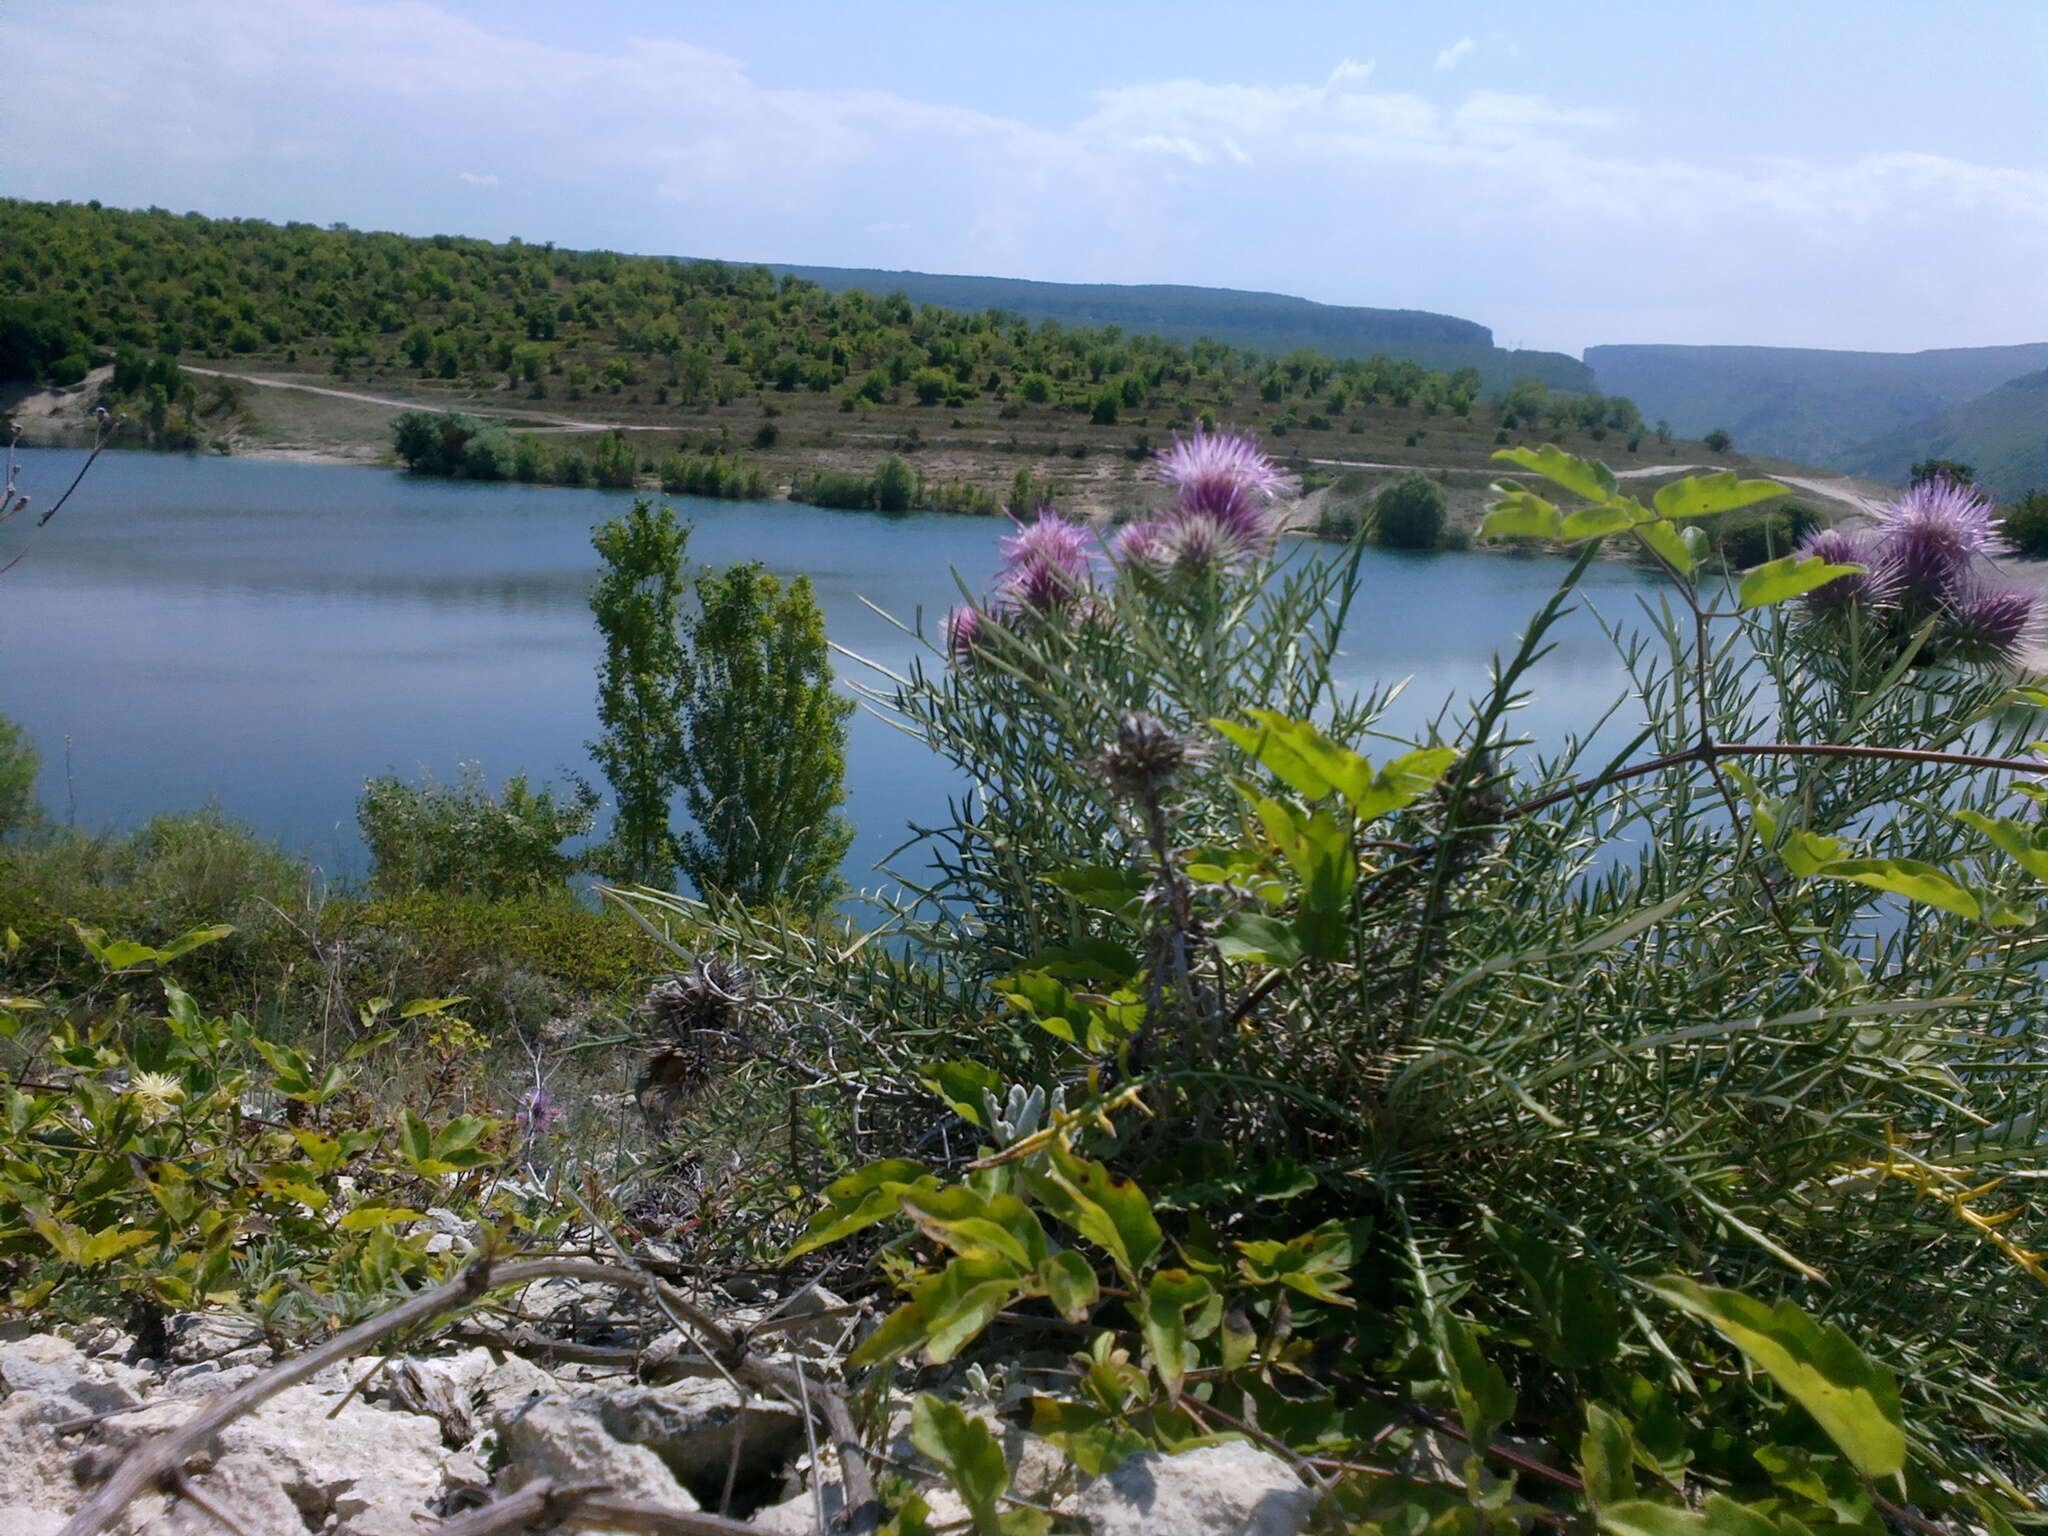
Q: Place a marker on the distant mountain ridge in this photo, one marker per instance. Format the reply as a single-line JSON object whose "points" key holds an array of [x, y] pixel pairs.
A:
{"points": [[1269, 322], [1821, 407], [2002, 434]]}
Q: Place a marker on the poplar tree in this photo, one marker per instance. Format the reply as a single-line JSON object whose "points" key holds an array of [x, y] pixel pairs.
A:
{"points": [[765, 773], [641, 685]]}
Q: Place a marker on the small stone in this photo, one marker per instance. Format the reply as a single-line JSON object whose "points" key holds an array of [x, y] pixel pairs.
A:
{"points": [[64, 1381], [565, 1441]]}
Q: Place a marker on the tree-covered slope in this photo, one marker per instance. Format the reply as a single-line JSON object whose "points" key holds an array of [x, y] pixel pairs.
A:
{"points": [[1267, 322], [1804, 403], [2003, 435]]}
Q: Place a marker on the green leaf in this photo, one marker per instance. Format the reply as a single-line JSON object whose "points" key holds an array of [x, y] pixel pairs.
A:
{"points": [[1719, 1516], [2021, 842], [366, 1217], [1776, 581], [1093, 1440], [1853, 1399], [1908, 878], [1808, 853], [1400, 783], [967, 1453], [1607, 1453], [112, 1243], [1170, 1297], [1670, 543], [860, 1200], [961, 1084], [963, 1299], [192, 939], [1520, 514], [1110, 1212], [960, 1219], [1485, 1401], [1256, 938], [429, 1005], [1582, 477], [1702, 495], [1595, 523], [1069, 1283]]}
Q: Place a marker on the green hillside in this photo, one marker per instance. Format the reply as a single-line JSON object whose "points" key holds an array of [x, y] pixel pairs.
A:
{"points": [[2003, 435], [1267, 322], [1803, 403]]}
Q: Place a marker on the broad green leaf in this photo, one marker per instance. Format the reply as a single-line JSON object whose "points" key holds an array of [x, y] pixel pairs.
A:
{"points": [[1110, 1212], [1671, 544], [1400, 783], [961, 1084], [963, 1299], [1719, 1516], [1485, 1401], [192, 938], [967, 1453], [896, 1336], [1908, 878], [1255, 937], [861, 1199], [1607, 1454], [1701, 495], [1520, 514], [2021, 842], [311, 1196], [1103, 887], [960, 1219], [1808, 853], [1294, 752], [1093, 1440], [1853, 1399], [1317, 1264], [1069, 1283], [1582, 477], [425, 1006], [1776, 581], [366, 1217], [1169, 1328], [1595, 523], [112, 1243]]}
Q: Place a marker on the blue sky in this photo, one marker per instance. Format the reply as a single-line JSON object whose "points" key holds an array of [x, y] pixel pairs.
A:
{"points": [[1808, 172]]}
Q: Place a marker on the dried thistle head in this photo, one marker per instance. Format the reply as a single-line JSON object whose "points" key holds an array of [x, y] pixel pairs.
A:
{"points": [[1146, 758], [700, 1020]]}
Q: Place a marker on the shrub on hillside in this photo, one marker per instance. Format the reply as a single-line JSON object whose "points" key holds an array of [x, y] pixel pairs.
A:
{"points": [[1410, 513], [460, 839], [2026, 525]]}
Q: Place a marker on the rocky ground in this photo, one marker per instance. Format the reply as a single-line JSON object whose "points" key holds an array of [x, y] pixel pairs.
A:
{"points": [[632, 1436]]}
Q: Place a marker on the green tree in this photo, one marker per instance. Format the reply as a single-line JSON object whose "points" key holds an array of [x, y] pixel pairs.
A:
{"points": [[1410, 513], [613, 464], [1942, 469], [765, 770], [895, 485], [641, 685], [1107, 402], [19, 764], [1718, 440]]}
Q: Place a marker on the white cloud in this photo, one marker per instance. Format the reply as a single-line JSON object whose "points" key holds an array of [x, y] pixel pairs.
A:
{"points": [[1527, 212], [1456, 54]]}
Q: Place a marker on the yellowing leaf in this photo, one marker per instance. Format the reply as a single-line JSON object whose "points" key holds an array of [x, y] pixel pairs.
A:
{"points": [[1777, 581], [1700, 495], [365, 1217]]}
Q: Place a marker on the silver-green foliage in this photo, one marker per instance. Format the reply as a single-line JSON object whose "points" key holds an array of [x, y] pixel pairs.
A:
{"points": [[19, 765], [463, 840]]}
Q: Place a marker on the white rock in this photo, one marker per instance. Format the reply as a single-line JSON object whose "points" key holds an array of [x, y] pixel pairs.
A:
{"points": [[68, 1383], [35, 1466], [1232, 1489], [564, 1440], [508, 1387], [693, 1426], [376, 1473]]}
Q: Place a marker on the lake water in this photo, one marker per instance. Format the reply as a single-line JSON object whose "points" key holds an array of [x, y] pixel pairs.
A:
{"points": [[271, 634]]}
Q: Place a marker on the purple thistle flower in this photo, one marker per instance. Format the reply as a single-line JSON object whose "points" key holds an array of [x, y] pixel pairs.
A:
{"points": [[1931, 534], [1990, 625], [1870, 588], [1203, 541], [1045, 563], [1225, 476], [537, 1113], [1140, 543]]}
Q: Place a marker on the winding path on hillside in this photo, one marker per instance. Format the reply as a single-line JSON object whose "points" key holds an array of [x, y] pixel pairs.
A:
{"points": [[546, 421]]}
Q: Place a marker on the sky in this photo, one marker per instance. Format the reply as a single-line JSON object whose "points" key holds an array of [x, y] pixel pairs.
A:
{"points": [[1836, 173]]}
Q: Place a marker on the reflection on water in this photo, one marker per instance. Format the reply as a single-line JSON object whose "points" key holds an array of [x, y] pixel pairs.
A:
{"points": [[271, 634]]}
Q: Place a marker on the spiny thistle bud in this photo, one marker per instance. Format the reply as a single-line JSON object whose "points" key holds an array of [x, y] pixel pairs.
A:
{"points": [[1990, 627], [1045, 563], [700, 1018], [1146, 759], [1872, 587]]}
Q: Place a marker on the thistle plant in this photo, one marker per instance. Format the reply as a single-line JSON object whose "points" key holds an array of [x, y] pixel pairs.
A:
{"points": [[1647, 1097]]}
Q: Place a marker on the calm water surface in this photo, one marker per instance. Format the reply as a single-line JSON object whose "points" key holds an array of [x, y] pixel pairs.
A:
{"points": [[270, 634]]}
